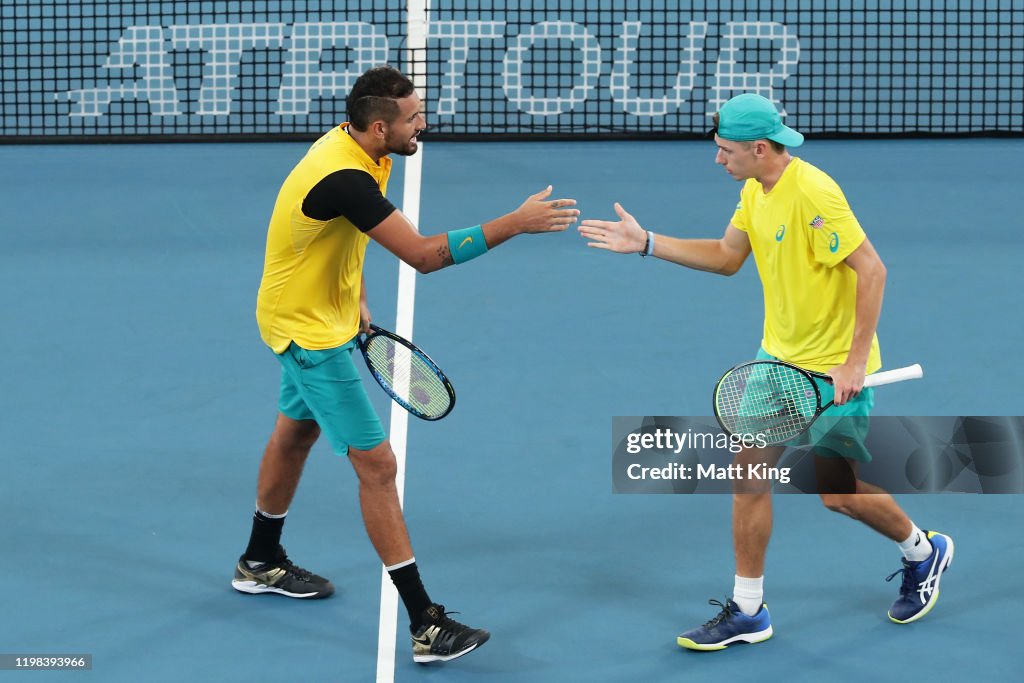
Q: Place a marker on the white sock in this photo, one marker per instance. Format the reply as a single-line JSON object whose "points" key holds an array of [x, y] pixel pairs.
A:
{"points": [[748, 594], [916, 547]]}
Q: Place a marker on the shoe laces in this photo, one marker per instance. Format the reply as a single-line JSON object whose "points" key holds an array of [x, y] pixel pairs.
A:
{"points": [[446, 623], [721, 616], [295, 570], [909, 583]]}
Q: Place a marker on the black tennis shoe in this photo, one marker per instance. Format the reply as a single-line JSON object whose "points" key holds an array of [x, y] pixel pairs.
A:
{"points": [[280, 576], [441, 639]]}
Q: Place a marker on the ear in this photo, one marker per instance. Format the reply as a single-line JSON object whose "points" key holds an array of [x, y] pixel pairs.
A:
{"points": [[760, 148], [379, 129]]}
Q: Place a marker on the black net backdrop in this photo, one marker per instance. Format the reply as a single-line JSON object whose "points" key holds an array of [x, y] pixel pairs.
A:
{"points": [[501, 69]]}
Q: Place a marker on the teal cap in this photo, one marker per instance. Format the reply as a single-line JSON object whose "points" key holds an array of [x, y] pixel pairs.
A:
{"points": [[752, 117]]}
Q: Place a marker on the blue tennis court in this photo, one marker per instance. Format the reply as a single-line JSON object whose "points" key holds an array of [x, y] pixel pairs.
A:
{"points": [[138, 398]]}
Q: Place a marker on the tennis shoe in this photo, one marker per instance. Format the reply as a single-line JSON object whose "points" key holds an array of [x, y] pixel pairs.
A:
{"points": [[280, 576], [728, 627], [441, 639], [919, 590]]}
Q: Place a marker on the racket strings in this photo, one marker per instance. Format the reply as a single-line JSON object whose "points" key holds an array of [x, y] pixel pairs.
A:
{"points": [[767, 399], [413, 380]]}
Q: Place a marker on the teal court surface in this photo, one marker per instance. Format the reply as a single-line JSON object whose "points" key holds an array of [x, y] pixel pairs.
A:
{"points": [[137, 398]]}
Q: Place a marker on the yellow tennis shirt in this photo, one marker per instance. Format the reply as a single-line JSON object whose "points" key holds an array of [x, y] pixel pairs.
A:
{"points": [[313, 269], [800, 233]]}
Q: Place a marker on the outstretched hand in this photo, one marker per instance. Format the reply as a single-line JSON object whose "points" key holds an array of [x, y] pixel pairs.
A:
{"points": [[624, 236], [539, 214]]}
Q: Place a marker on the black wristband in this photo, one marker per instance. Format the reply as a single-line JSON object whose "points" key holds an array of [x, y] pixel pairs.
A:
{"points": [[648, 246]]}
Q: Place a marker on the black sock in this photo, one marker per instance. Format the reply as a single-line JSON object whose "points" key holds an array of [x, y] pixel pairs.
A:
{"points": [[414, 595], [265, 538]]}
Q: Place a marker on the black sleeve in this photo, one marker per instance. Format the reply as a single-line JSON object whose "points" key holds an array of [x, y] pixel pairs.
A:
{"points": [[349, 193]]}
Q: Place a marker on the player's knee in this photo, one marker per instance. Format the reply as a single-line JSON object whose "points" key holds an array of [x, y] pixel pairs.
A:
{"points": [[751, 488], [839, 502], [377, 466], [382, 472]]}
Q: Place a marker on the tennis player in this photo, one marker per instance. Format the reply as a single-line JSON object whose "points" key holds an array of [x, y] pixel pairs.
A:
{"points": [[312, 304], [823, 283]]}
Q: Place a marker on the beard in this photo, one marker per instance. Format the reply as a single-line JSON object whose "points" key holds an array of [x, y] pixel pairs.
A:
{"points": [[404, 147]]}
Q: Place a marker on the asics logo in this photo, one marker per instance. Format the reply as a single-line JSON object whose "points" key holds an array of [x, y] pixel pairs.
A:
{"points": [[833, 243], [780, 233], [463, 242], [925, 588]]}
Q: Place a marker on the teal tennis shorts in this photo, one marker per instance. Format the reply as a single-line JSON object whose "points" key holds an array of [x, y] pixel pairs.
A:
{"points": [[841, 431], [325, 386]]}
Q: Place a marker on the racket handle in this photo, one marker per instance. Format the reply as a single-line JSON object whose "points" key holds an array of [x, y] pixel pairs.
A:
{"points": [[898, 375]]}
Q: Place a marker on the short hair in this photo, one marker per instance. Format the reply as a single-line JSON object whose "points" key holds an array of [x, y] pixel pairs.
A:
{"points": [[777, 146], [373, 96]]}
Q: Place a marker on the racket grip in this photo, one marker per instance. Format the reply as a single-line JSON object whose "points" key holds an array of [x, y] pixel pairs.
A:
{"points": [[898, 375]]}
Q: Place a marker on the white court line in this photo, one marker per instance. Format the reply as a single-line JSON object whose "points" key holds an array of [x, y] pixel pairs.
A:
{"points": [[399, 417], [416, 41]]}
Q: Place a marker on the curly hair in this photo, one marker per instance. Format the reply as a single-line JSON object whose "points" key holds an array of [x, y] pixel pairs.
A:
{"points": [[373, 96]]}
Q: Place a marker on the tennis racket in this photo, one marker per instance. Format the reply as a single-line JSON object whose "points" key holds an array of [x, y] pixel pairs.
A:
{"points": [[407, 374], [778, 401]]}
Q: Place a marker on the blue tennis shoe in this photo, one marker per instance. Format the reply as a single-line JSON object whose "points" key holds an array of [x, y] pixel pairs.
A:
{"points": [[919, 590], [728, 627]]}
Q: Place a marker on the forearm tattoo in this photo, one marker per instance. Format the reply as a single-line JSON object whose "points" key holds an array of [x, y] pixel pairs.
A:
{"points": [[445, 254]]}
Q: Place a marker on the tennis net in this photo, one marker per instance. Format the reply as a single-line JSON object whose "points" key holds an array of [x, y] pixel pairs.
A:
{"points": [[214, 69]]}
